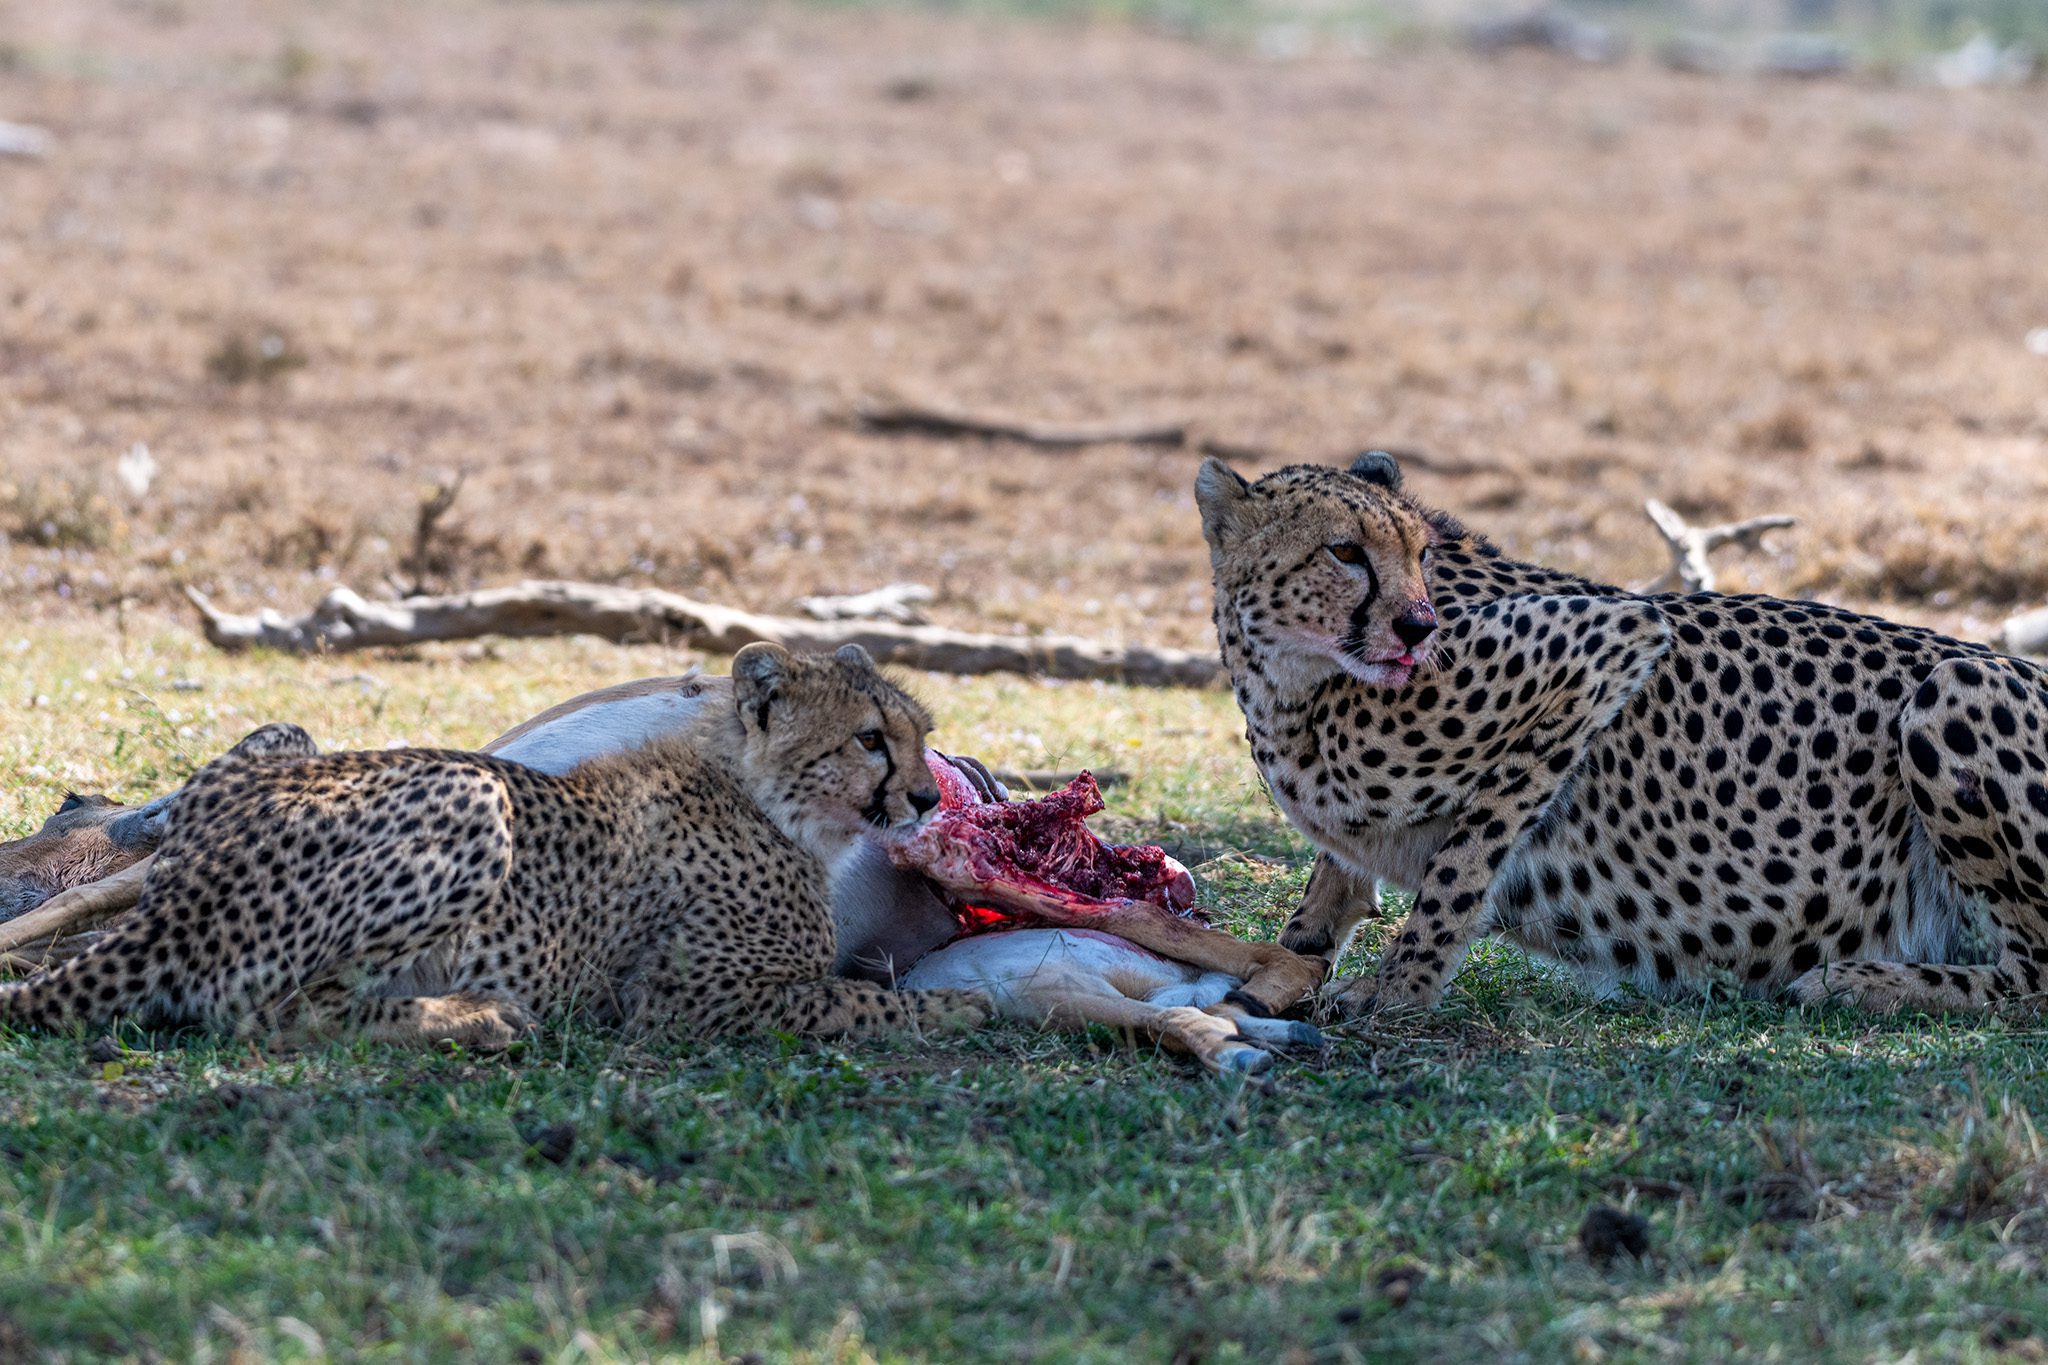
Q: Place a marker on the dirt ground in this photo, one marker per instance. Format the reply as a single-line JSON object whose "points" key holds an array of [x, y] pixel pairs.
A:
{"points": [[631, 267]]}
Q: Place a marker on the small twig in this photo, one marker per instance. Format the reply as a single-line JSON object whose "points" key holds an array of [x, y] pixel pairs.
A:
{"points": [[891, 602], [1690, 545], [29, 962], [919, 419], [426, 525]]}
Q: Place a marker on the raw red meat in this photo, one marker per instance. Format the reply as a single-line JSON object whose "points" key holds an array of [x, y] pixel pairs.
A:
{"points": [[1034, 861]]}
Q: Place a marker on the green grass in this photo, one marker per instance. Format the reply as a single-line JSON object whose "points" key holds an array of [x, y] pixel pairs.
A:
{"points": [[1879, 29], [1818, 1185]]}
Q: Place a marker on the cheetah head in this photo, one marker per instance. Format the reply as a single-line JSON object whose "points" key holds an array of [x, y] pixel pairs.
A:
{"points": [[1321, 570], [831, 748]]}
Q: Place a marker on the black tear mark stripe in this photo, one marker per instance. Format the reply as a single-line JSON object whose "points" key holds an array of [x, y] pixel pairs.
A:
{"points": [[1361, 615], [877, 812]]}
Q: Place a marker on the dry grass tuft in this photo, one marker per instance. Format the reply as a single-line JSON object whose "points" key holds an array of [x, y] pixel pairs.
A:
{"points": [[1788, 430], [1997, 1173], [261, 359], [1791, 1187], [58, 514]]}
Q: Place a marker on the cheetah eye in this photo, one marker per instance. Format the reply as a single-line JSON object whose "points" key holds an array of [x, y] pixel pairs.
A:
{"points": [[1347, 552], [871, 740]]}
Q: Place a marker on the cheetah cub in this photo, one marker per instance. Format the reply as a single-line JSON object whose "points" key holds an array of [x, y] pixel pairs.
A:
{"points": [[424, 895], [1655, 789]]}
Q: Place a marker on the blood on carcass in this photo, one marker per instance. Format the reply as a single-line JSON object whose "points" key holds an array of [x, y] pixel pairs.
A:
{"points": [[1036, 861]]}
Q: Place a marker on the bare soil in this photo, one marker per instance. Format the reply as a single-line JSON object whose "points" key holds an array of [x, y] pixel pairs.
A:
{"points": [[632, 267]]}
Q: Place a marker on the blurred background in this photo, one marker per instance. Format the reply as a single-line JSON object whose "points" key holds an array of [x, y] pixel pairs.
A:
{"points": [[623, 279]]}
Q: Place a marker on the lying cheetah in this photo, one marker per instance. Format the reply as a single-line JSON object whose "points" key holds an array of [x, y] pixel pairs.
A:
{"points": [[1654, 789], [425, 895]]}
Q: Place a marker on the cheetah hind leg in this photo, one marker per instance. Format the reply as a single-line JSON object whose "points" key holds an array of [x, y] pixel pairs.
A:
{"points": [[330, 1009], [682, 998], [842, 1006], [1887, 987], [1973, 739]]}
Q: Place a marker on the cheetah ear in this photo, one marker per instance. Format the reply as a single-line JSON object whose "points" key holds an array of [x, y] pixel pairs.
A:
{"points": [[279, 739], [855, 656], [1223, 495], [1377, 466], [758, 673]]}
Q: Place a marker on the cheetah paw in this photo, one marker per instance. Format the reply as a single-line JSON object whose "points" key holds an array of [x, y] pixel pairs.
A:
{"points": [[1836, 984], [1346, 998], [952, 1011], [1360, 997], [481, 1026], [1309, 940], [1811, 988]]}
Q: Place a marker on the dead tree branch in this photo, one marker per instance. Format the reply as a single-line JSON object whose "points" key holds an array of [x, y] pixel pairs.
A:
{"points": [[933, 419], [920, 419], [896, 602], [1690, 545], [344, 620]]}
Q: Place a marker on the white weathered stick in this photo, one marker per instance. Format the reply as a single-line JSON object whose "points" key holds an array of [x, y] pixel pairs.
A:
{"points": [[344, 620], [1690, 545], [896, 602]]}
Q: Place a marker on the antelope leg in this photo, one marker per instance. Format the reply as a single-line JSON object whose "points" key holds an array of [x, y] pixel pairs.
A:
{"points": [[77, 907]]}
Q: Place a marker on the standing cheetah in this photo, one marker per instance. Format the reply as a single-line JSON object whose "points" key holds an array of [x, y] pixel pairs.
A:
{"points": [[1652, 789], [424, 895]]}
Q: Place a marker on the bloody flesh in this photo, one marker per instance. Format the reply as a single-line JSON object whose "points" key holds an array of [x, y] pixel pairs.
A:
{"points": [[1034, 861]]}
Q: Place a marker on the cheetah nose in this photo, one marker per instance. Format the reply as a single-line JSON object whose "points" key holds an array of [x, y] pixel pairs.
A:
{"points": [[1416, 624], [922, 802]]}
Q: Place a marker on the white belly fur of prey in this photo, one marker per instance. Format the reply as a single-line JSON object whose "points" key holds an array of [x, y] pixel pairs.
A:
{"points": [[608, 727], [1024, 969]]}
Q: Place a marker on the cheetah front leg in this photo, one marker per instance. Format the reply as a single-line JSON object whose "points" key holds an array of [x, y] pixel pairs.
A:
{"points": [[1332, 904], [1449, 907], [1583, 659], [1973, 740]]}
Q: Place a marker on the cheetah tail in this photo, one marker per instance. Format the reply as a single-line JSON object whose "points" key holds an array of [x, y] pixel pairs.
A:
{"points": [[113, 976]]}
